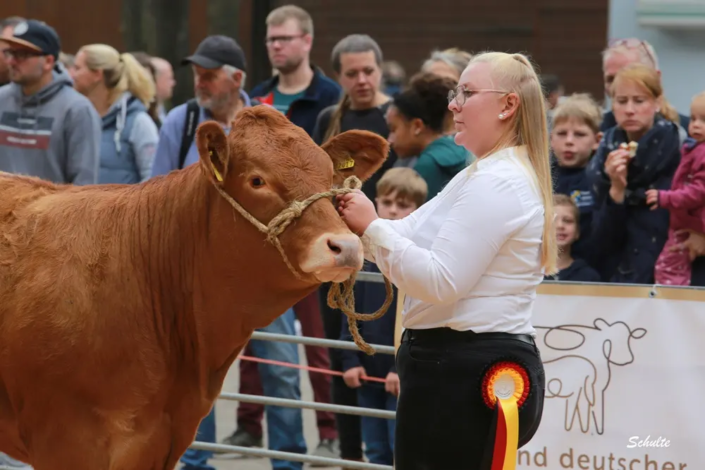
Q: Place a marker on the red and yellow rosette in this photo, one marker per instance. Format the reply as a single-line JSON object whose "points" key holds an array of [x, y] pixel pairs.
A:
{"points": [[504, 388]]}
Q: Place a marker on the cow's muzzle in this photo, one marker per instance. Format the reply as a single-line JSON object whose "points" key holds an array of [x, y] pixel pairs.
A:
{"points": [[334, 257]]}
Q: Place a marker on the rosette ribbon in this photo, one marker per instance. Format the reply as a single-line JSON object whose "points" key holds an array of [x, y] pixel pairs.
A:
{"points": [[505, 387]]}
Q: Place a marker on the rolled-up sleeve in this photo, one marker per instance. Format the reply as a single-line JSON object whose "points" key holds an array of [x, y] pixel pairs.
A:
{"points": [[485, 213]]}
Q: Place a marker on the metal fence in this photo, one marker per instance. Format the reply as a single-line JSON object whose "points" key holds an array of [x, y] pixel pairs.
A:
{"points": [[351, 410], [380, 349]]}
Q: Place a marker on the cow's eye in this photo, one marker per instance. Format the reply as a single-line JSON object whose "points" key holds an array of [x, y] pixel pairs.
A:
{"points": [[257, 182]]}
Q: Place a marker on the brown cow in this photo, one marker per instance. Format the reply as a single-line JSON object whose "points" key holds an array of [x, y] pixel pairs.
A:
{"points": [[123, 306]]}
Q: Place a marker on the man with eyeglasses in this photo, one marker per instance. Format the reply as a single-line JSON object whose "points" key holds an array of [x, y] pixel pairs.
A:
{"points": [[298, 89], [619, 54], [6, 27], [47, 129]]}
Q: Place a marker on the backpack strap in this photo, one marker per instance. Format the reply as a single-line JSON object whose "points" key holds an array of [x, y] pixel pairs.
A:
{"points": [[190, 126]]}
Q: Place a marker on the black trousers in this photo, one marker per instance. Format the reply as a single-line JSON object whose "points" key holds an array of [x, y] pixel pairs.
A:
{"points": [[349, 426], [442, 421]]}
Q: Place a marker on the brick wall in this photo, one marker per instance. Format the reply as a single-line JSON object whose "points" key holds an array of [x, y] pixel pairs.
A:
{"points": [[563, 37]]}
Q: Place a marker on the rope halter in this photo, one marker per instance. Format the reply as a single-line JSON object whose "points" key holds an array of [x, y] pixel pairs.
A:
{"points": [[340, 295]]}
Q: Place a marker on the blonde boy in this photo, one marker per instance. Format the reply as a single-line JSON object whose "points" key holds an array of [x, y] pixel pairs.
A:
{"points": [[574, 138], [400, 192]]}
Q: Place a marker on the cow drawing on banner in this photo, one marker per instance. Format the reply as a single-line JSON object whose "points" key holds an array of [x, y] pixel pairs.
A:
{"points": [[578, 360]]}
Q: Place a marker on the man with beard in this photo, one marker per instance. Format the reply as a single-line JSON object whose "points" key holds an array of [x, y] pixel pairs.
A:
{"points": [[298, 89], [6, 27], [219, 75], [49, 130]]}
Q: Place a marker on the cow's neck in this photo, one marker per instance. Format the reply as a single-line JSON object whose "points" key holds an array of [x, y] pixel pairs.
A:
{"points": [[218, 277]]}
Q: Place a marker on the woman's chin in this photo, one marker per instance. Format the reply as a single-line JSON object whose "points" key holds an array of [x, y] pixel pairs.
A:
{"points": [[459, 137]]}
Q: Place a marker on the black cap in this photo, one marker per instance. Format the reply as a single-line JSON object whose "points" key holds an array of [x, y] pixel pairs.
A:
{"points": [[216, 51], [37, 36]]}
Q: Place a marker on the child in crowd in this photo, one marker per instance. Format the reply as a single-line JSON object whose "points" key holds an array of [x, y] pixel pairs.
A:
{"points": [[685, 201], [567, 233], [400, 191], [574, 138]]}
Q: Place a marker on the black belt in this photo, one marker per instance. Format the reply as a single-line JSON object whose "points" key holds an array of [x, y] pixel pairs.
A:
{"points": [[450, 335]]}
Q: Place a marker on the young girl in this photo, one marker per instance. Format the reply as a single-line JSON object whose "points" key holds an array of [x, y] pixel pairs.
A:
{"points": [[567, 234], [685, 201]]}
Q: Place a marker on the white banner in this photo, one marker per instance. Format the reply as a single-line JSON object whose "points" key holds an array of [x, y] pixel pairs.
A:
{"points": [[625, 380]]}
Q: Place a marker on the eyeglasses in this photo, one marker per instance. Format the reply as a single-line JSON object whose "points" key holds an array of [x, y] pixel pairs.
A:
{"points": [[461, 95], [282, 39], [20, 55], [633, 43]]}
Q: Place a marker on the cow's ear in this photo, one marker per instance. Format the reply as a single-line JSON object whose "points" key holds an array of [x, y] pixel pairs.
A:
{"points": [[359, 153], [212, 145]]}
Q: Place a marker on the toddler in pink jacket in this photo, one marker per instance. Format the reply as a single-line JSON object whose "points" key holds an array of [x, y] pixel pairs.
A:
{"points": [[685, 201]]}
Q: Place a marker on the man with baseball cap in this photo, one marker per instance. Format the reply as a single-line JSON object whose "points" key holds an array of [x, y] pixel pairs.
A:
{"points": [[49, 129], [7, 25], [219, 75]]}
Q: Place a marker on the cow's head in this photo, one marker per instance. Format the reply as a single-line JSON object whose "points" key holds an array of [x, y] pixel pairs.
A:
{"points": [[266, 162], [617, 341]]}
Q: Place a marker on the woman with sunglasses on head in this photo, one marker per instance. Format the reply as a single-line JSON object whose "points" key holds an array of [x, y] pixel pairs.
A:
{"points": [[470, 261]]}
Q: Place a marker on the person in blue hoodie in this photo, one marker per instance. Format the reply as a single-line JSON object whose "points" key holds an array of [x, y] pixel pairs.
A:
{"points": [[417, 121], [121, 90], [49, 130], [400, 192]]}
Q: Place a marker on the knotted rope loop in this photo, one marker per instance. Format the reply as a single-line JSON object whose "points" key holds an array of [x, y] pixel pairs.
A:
{"points": [[340, 295]]}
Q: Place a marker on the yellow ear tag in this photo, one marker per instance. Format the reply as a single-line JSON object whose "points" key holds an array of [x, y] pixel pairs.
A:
{"points": [[348, 163], [218, 176]]}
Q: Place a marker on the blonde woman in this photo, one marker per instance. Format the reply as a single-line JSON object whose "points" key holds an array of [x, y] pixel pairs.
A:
{"points": [[121, 90], [470, 261], [627, 235]]}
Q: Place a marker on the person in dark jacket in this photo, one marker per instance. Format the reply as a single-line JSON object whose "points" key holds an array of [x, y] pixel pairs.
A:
{"points": [[400, 192], [121, 91], [416, 121], [619, 54], [299, 90], [575, 137], [628, 235], [567, 233]]}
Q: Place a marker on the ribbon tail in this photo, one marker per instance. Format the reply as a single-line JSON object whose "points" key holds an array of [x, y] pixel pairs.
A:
{"points": [[510, 413], [495, 449]]}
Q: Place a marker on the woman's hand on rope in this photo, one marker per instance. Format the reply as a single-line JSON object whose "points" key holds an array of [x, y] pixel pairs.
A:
{"points": [[357, 211]]}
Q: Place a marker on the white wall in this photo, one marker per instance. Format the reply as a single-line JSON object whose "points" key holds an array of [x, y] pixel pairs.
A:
{"points": [[681, 52]]}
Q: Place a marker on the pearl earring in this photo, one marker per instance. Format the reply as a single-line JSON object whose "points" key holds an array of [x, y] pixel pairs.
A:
{"points": [[501, 116]]}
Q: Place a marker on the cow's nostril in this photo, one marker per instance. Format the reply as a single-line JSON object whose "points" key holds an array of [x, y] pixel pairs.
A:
{"points": [[334, 247]]}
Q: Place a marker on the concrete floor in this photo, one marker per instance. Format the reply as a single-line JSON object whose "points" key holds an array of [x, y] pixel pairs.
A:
{"points": [[225, 423]]}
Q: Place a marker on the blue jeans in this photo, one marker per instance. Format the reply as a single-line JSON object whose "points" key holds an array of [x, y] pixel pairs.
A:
{"points": [[285, 429], [377, 433], [198, 459]]}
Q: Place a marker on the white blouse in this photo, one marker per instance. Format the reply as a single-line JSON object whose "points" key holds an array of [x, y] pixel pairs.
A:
{"points": [[470, 258]]}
